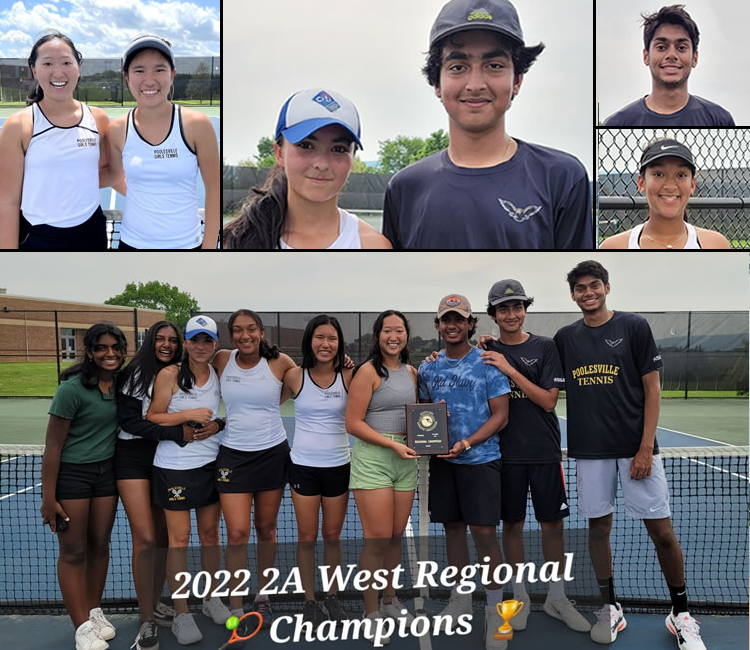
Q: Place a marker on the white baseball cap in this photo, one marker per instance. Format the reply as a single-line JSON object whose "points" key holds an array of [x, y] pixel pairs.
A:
{"points": [[201, 325], [309, 110]]}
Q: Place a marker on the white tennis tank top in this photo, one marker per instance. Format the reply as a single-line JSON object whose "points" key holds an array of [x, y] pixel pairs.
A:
{"points": [[61, 171], [348, 233], [161, 207], [251, 397], [320, 437], [194, 454], [691, 243]]}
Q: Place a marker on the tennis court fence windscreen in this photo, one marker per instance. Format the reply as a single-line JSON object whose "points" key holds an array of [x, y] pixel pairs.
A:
{"points": [[709, 502]]}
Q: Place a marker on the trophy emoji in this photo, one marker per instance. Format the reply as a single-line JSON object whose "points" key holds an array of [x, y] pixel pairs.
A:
{"points": [[507, 610]]}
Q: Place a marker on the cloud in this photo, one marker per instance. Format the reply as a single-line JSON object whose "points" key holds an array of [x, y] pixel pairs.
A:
{"points": [[103, 28]]}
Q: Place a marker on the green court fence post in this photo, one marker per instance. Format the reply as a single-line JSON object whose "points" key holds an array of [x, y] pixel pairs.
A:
{"points": [[57, 346]]}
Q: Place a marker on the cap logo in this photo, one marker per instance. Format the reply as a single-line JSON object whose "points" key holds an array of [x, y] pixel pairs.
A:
{"points": [[326, 101], [201, 321], [452, 301], [509, 291], [479, 14], [671, 146]]}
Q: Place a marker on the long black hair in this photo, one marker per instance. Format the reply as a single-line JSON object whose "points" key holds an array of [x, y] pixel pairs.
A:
{"points": [[88, 370], [376, 354], [262, 216], [308, 358], [145, 365], [36, 93], [267, 350]]}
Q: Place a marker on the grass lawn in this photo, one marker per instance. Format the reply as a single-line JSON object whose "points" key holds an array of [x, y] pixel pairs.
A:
{"points": [[37, 379]]}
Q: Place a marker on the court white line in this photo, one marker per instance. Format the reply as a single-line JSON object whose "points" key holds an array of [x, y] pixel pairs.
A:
{"points": [[12, 494], [726, 471]]}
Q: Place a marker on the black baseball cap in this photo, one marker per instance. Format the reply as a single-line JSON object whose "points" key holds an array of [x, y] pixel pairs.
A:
{"points": [[664, 148], [505, 290], [460, 15], [148, 42]]}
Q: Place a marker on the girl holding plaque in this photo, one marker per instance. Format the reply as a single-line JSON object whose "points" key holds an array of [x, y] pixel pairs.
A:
{"points": [[384, 468]]}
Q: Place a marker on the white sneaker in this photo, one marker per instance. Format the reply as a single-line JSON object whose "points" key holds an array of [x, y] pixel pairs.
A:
{"points": [[562, 609], [687, 631], [370, 636], [518, 622], [103, 627], [457, 604], [216, 610], [609, 621], [88, 639], [396, 611], [492, 621], [163, 615], [185, 629]]}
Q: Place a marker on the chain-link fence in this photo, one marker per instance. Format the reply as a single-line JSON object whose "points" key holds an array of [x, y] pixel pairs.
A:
{"points": [[198, 81], [722, 158], [702, 351]]}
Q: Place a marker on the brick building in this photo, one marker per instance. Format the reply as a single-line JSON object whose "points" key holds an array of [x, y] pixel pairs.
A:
{"points": [[28, 326]]}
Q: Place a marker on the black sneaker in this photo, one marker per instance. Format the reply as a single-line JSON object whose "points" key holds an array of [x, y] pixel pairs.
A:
{"points": [[312, 613], [146, 639], [163, 615], [332, 606], [263, 607]]}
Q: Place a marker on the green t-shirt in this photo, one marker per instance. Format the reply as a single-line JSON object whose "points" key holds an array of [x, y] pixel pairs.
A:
{"points": [[93, 421]]}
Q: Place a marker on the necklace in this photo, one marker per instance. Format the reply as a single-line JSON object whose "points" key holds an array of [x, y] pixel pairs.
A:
{"points": [[455, 362], [668, 245]]}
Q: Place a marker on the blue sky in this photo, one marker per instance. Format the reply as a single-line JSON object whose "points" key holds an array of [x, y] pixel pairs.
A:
{"points": [[102, 28]]}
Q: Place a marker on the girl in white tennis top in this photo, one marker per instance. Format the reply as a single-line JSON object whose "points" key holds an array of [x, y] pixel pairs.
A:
{"points": [[161, 147], [319, 474], [252, 468], [54, 158], [183, 478], [667, 178], [317, 134]]}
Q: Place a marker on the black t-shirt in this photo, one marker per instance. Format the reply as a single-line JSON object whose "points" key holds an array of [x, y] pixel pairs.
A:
{"points": [[540, 198], [603, 369], [532, 435], [697, 112]]}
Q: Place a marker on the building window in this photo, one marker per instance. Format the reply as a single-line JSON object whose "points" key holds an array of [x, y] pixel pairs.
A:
{"points": [[141, 337], [67, 343]]}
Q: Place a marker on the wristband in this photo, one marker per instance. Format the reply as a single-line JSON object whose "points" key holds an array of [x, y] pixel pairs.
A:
{"points": [[221, 424], [466, 444]]}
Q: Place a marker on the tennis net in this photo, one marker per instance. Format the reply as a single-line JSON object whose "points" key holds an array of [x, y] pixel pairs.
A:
{"points": [[709, 501]]}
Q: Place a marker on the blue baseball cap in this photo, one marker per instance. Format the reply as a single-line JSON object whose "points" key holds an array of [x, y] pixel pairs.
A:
{"points": [[201, 325], [309, 110]]}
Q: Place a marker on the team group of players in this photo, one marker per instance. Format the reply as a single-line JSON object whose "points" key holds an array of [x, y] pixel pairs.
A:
{"points": [[150, 434]]}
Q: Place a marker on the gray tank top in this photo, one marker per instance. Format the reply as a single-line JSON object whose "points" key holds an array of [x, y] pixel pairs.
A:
{"points": [[386, 413]]}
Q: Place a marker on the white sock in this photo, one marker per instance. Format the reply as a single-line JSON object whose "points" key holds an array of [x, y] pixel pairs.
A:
{"points": [[519, 591], [494, 598], [557, 589], [238, 612]]}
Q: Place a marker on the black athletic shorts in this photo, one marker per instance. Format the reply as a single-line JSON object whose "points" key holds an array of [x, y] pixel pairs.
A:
{"points": [[547, 484], [184, 489], [122, 246], [134, 458], [468, 494], [252, 471], [319, 481], [86, 480], [91, 235]]}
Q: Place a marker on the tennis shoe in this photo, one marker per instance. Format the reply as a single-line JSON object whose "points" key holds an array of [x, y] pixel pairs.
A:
{"points": [[564, 610], [216, 610], [312, 613], [87, 638], [163, 615], [369, 634], [609, 622], [492, 622], [518, 622], [263, 607], [687, 631], [146, 639], [185, 629], [396, 611], [333, 607], [103, 627], [457, 604]]}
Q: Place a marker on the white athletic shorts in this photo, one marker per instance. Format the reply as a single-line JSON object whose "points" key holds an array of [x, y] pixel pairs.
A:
{"points": [[646, 498]]}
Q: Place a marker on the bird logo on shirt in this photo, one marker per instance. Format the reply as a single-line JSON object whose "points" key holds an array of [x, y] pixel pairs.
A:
{"points": [[613, 344], [529, 362], [519, 215]]}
